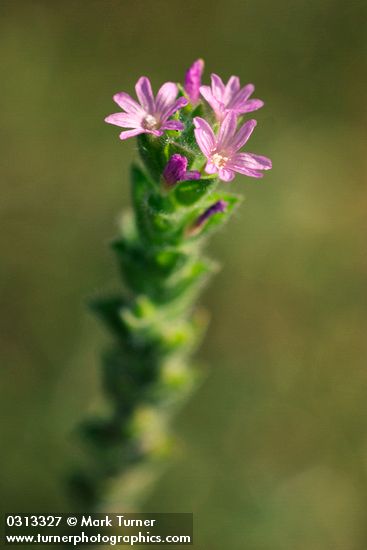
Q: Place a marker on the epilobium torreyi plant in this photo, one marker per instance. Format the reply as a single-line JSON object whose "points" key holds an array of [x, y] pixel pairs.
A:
{"points": [[189, 140]]}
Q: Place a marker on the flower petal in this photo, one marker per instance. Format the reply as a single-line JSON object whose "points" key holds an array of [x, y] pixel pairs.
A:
{"points": [[165, 97], [250, 173], [250, 105], [243, 134], [210, 168], [125, 120], [156, 133], [173, 125], [232, 87], [218, 87], [226, 175], [145, 95], [178, 104], [207, 94], [251, 161], [241, 97], [127, 103], [227, 130], [249, 165], [131, 133], [204, 136]]}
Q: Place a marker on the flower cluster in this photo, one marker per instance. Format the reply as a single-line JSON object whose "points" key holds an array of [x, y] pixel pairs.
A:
{"points": [[219, 136]]}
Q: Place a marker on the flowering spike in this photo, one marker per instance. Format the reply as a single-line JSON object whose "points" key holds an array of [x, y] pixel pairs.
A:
{"points": [[151, 115], [217, 208], [221, 151], [153, 319], [193, 80], [175, 171], [230, 97]]}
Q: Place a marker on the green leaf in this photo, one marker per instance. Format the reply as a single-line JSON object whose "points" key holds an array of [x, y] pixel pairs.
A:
{"points": [[133, 263], [108, 309], [186, 283], [190, 192], [157, 219], [168, 261], [151, 150], [142, 190]]}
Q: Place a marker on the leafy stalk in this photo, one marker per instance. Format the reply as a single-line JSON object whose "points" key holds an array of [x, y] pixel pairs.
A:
{"points": [[154, 322]]}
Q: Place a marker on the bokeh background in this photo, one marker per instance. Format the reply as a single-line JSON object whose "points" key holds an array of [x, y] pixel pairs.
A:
{"points": [[273, 452]]}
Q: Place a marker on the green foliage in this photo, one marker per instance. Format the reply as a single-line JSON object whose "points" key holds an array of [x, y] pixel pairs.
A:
{"points": [[190, 192]]}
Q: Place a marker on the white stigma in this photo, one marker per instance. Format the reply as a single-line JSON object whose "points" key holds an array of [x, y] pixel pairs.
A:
{"points": [[219, 160], [150, 123]]}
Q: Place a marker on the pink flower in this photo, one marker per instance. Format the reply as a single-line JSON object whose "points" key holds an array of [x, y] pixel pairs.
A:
{"points": [[152, 114], [222, 150], [193, 80], [230, 97]]}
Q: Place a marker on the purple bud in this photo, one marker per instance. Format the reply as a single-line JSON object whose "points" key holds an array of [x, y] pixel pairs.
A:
{"points": [[193, 80], [218, 207], [175, 171]]}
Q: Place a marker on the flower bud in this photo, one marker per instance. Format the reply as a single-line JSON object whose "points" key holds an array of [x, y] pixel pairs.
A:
{"points": [[193, 80], [218, 207], [175, 171]]}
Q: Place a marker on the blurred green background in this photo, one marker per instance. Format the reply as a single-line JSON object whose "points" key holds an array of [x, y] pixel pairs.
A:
{"points": [[273, 452]]}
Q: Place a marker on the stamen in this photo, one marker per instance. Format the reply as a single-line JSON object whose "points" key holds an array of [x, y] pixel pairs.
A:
{"points": [[150, 123], [219, 160]]}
